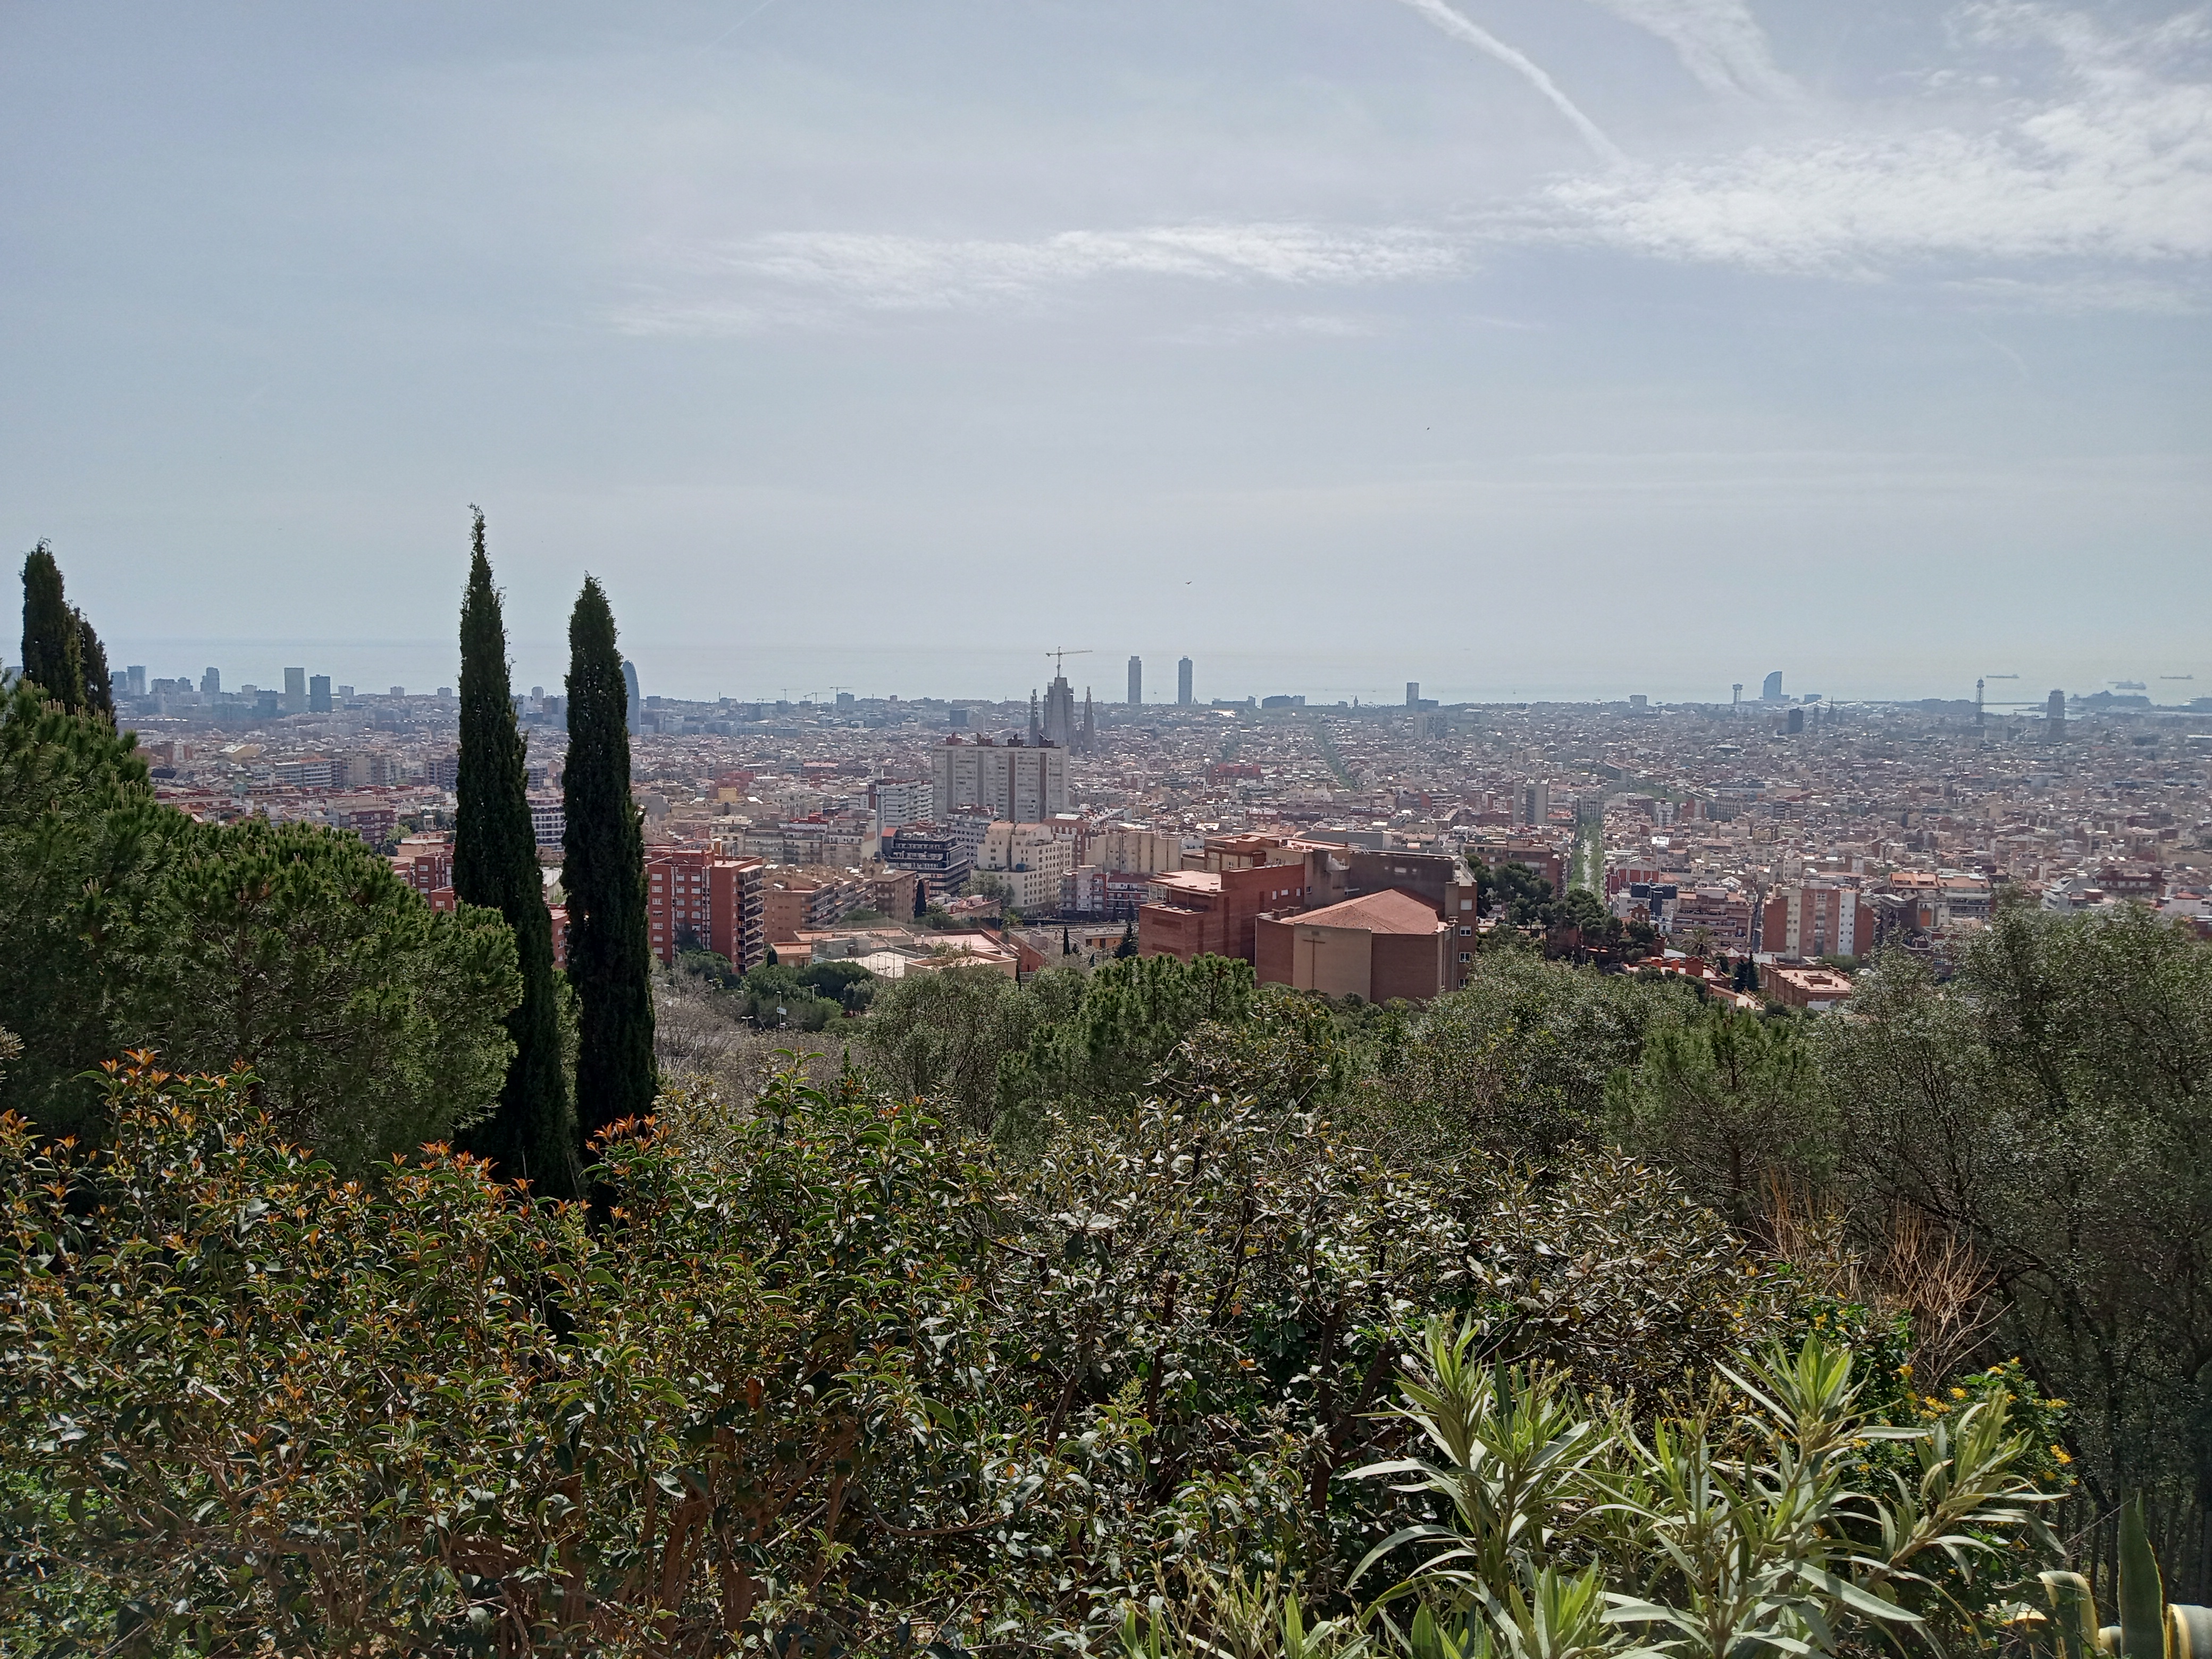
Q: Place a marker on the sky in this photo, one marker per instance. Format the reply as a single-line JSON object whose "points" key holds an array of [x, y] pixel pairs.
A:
{"points": [[1525, 347]]}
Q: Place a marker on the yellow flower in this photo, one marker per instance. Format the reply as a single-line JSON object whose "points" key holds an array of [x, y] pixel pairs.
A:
{"points": [[1904, 1370], [1958, 1394], [2059, 1452]]}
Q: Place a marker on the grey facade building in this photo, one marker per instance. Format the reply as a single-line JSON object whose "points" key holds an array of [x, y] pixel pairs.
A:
{"points": [[1136, 679], [1183, 683]]}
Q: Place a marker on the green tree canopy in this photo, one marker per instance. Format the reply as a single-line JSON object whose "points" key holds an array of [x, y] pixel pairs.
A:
{"points": [[372, 1023], [83, 847], [53, 642]]}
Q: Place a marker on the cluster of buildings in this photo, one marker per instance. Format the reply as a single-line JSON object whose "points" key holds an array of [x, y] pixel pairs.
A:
{"points": [[1327, 845]]}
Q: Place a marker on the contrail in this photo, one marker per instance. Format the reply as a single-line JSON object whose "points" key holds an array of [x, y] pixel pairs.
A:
{"points": [[1459, 28], [1719, 42]]}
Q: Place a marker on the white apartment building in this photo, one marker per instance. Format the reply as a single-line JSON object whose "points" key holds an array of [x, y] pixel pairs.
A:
{"points": [[1031, 860], [1019, 784], [1129, 850], [904, 800]]}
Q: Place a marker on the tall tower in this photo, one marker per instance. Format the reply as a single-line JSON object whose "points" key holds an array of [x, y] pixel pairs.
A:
{"points": [[2054, 715], [1089, 728], [211, 682], [1413, 694], [1183, 683], [1771, 691], [1136, 680], [295, 690], [1735, 700], [1036, 732], [1060, 713], [636, 701]]}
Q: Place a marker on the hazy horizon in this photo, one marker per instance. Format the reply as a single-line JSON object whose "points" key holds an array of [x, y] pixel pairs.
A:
{"points": [[1007, 674]]}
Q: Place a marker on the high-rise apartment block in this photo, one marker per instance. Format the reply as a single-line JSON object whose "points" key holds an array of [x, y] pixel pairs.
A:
{"points": [[1817, 919], [1136, 680], [295, 690], [1535, 803], [211, 682], [1413, 694], [319, 693], [1003, 781], [695, 898], [903, 801], [1183, 697]]}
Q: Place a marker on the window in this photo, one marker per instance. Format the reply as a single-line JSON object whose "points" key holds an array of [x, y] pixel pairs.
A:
{"points": [[1466, 933], [1467, 956]]}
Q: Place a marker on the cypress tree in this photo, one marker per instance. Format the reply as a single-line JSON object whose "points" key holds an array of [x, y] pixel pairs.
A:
{"points": [[533, 1135], [610, 955], [98, 695], [54, 651]]}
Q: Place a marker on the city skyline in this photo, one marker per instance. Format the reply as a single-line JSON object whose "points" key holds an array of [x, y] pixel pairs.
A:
{"points": [[995, 675]]}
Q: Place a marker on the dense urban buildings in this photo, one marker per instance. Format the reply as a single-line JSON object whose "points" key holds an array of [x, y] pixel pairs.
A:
{"points": [[1787, 831]]}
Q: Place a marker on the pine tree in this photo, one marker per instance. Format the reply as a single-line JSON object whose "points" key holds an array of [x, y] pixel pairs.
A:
{"points": [[53, 657], [610, 956], [533, 1135]]}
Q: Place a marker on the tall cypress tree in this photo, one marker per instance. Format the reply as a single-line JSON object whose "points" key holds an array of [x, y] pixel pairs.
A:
{"points": [[610, 955], [533, 1135], [53, 652], [98, 695]]}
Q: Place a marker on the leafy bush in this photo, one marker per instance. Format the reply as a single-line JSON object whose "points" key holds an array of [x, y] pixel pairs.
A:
{"points": [[833, 1369]]}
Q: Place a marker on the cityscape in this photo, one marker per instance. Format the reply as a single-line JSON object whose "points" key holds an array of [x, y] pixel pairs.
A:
{"points": [[1181, 829], [1776, 828]]}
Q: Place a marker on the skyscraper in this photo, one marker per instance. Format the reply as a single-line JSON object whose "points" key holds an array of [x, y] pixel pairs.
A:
{"points": [[1771, 691], [1136, 679], [2054, 715], [1413, 694], [295, 690], [636, 700], [1183, 683], [319, 693], [211, 682]]}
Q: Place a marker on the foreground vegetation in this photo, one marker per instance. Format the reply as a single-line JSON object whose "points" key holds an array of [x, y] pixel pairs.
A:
{"points": [[836, 1373]]}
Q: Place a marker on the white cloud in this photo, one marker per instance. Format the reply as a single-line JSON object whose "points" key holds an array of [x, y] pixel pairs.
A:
{"points": [[1719, 42], [798, 277], [2118, 165]]}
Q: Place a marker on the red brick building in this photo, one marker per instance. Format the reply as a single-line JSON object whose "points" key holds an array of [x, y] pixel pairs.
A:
{"points": [[1817, 919], [1197, 912], [693, 894], [1381, 947]]}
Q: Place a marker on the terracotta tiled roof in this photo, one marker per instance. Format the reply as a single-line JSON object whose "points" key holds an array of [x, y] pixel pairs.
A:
{"points": [[1390, 911]]}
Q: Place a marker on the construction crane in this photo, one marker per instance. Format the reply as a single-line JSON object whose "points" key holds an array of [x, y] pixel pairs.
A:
{"points": [[1056, 655]]}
